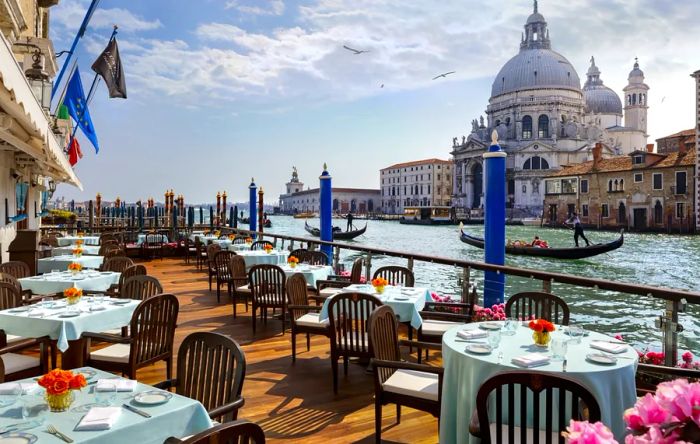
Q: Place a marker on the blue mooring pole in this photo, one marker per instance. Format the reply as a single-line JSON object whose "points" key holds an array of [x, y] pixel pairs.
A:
{"points": [[253, 210], [494, 221], [325, 211]]}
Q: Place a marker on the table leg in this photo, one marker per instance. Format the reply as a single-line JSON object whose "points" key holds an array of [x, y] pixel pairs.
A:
{"points": [[74, 357]]}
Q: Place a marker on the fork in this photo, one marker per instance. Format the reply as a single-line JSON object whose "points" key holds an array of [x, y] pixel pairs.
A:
{"points": [[52, 430]]}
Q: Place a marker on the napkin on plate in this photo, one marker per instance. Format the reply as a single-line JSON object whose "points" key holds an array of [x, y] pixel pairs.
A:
{"points": [[609, 347], [8, 387], [472, 334], [99, 418], [531, 360], [123, 385]]}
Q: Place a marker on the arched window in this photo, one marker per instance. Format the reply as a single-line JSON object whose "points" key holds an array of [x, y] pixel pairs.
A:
{"points": [[527, 127], [536, 163], [610, 185], [658, 213], [543, 127], [622, 184], [634, 99], [615, 185], [621, 213], [498, 122]]}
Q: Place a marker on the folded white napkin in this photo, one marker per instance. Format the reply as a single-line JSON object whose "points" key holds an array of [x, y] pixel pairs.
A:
{"points": [[9, 387], [609, 347], [472, 334], [122, 385], [99, 418], [36, 313], [531, 360]]}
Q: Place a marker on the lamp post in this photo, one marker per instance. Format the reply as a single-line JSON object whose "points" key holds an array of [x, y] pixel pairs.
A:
{"points": [[494, 221], [325, 211], [39, 81], [223, 209], [98, 207], [261, 214], [252, 204]]}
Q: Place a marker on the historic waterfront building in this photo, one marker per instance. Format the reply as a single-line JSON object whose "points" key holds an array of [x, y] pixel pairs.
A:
{"points": [[544, 120], [345, 200], [696, 75], [421, 183]]}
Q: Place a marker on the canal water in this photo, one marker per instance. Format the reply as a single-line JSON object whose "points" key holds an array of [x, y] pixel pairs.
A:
{"points": [[651, 259]]}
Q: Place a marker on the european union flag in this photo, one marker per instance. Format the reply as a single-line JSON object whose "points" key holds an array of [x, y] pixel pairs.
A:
{"points": [[76, 103]]}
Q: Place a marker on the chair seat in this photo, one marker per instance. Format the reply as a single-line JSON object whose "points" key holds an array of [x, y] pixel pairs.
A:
{"points": [[311, 320], [328, 291], [413, 383], [15, 362], [243, 289], [12, 338], [113, 353], [436, 327], [114, 331], [528, 434]]}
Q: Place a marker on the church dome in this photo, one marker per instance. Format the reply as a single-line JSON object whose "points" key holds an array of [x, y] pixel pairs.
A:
{"points": [[599, 98]]}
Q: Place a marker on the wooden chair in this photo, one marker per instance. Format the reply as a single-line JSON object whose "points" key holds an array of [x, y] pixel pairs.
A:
{"points": [[190, 249], [417, 386], [299, 253], [141, 287], [531, 385], [16, 269], [200, 252], [538, 304], [212, 249], [219, 391], [241, 431], [153, 246], [117, 264], [396, 275], [49, 241], [105, 249], [315, 258], [267, 285], [304, 317], [238, 240], [260, 245], [4, 277], [222, 262], [649, 376], [239, 278], [150, 339], [348, 314], [117, 290], [330, 286]]}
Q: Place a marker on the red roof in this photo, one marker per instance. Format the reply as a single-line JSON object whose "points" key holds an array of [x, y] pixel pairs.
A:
{"points": [[624, 163]]}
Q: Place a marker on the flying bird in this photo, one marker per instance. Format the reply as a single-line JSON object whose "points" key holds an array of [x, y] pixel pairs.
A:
{"points": [[662, 100], [444, 75], [356, 51]]}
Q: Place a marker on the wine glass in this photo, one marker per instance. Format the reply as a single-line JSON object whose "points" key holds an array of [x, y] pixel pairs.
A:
{"points": [[559, 348], [494, 338], [106, 394], [510, 326], [575, 331]]}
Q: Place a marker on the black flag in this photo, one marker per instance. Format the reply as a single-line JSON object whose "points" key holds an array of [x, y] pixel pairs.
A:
{"points": [[109, 66]]}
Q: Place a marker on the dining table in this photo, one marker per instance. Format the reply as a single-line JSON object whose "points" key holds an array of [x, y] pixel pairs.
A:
{"points": [[259, 257], [61, 263], [312, 273], [611, 381], [56, 282], [70, 240], [170, 414], [91, 250]]}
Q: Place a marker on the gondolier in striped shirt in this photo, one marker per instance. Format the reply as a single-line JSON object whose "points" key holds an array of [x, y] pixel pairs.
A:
{"points": [[578, 228]]}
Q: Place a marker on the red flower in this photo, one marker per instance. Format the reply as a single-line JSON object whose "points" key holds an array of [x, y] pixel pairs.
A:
{"points": [[541, 325]]}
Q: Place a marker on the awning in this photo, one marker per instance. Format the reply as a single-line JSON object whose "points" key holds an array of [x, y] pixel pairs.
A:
{"points": [[24, 124]]}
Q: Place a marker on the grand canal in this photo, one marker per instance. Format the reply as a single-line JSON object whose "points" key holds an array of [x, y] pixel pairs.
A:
{"points": [[653, 259]]}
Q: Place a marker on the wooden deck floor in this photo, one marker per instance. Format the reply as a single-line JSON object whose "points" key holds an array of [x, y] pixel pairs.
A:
{"points": [[292, 402]]}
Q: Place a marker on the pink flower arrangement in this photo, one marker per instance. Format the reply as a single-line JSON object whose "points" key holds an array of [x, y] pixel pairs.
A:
{"points": [[346, 273], [583, 432], [495, 313], [446, 298], [657, 358]]}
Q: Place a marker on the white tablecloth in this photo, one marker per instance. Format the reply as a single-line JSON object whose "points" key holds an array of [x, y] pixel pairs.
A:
{"points": [[87, 250], [70, 240], [258, 257], [61, 263], [312, 273], [51, 284]]}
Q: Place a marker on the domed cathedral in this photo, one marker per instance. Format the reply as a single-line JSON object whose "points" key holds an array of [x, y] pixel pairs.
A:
{"points": [[545, 119]]}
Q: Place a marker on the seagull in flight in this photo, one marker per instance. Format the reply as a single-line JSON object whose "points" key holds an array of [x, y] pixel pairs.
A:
{"points": [[444, 75], [356, 51]]}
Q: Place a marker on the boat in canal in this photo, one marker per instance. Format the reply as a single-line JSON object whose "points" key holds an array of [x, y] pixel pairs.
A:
{"points": [[556, 253], [427, 216], [337, 233]]}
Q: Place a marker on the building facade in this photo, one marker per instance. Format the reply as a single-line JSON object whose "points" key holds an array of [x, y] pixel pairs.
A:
{"points": [[643, 191], [345, 200], [544, 120], [675, 142], [696, 75], [421, 183]]}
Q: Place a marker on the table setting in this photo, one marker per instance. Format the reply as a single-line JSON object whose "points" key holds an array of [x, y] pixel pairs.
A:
{"points": [[477, 351], [71, 240], [55, 281], [312, 273], [62, 262], [259, 257], [87, 405], [90, 250]]}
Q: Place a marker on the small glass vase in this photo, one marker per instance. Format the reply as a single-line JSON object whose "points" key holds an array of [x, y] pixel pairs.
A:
{"points": [[74, 272], [60, 403], [73, 300], [541, 338], [379, 289], [292, 265]]}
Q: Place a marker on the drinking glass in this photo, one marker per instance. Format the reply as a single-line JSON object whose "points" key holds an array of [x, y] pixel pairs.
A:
{"points": [[55, 272], [106, 395], [10, 393], [510, 327], [559, 347], [494, 338], [575, 331], [47, 302]]}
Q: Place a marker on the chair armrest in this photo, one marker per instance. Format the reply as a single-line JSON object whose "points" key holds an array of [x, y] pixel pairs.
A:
{"points": [[474, 428], [227, 408], [106, 337], [323, 283], [407, 366], [419, 344], [173, 440], [30, 300], [445, 316], [166, 385], [304, 307]]}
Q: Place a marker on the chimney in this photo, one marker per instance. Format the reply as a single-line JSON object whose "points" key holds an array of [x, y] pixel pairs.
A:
{"points": [[597, 154], [650, 147]]}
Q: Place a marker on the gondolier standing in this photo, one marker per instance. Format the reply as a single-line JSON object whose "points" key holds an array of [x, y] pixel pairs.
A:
{"points": [[578, 228], [349, 217]]}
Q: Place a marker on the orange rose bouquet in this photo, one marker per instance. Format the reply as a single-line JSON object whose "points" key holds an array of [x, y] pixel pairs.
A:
{"points": [[379, 283], [541, 328], [59, 385], [248, 240], [269, 248], [79, 242], [77, 252], [293, 261], [73, 295], [75, 267]]}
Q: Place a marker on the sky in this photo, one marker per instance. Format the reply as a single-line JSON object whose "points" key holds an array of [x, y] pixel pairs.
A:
{"points": [[221, 91]]}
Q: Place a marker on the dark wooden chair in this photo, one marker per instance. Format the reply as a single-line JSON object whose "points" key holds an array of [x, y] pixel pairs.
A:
{"points": [[396, 275], [260, 245], [239, 278], [116, 290], [330, 286], [150, 339], [200, 252], [538, 304], [108, 237], [212, 249], [49, 241], [299, 253], [5, 277], [267, 285], [16, 269], [190, 249], [153, 246], [219, 391], [304, 317], [316, 258], [241, 431], [417, 386], [238, 240], [117, 264], [500, 390], [348, 314], [222, 262], [649, 376], [141, 287]]}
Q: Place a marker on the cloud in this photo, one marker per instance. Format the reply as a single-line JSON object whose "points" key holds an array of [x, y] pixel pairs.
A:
{"points": [[273, 7], [70, 15]]}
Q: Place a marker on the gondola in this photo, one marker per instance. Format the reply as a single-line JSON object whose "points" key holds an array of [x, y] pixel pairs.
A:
{"points": [[267, 223], [557, 253], [337, 235]]}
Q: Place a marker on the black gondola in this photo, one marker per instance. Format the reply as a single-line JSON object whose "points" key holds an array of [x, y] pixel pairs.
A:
{"points": [[557, 253], [337, 235]]}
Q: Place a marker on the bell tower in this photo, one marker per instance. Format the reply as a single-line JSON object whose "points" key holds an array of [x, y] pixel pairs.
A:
{"points": [[636, 99], [294, 186]]}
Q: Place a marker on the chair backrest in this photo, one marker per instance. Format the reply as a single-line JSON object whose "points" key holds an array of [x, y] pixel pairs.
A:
{"points": [[10, 296], [356, 271], [199, 355], [198, 245], [113, 251], [565, 399], [237, 270], [235, 432], [297, 293], [222, 262], [154, 240], [109, 241], [267, 284], [141, 287], [396, 275], [105, 249], [17, 269], [348, 314], [384, 339], [134, 270], [260, 245], [540, 305], [8, 278], [299, 253], [50, 241], [239, 240], [152, 328], [316, 258], [117, 264], [212, 249]]}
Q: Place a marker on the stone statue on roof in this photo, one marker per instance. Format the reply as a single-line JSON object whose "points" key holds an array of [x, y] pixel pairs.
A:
{"points": [[475, 126]]}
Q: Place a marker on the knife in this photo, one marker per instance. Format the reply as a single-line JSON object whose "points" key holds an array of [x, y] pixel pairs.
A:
{"points": [[135, 410]]}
